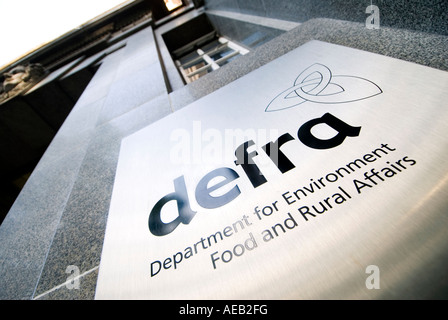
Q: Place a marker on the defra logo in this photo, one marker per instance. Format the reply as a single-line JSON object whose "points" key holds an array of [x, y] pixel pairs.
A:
{"points": [[316, 84]]}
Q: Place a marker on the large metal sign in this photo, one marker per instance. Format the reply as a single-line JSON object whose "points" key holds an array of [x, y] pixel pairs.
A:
{"points": [[322, 174]]}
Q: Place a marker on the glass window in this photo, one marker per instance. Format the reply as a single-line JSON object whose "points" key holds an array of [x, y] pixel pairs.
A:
{"points": [[173, 4], [207, 58]]}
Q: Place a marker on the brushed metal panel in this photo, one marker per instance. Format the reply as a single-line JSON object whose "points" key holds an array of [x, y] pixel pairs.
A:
{"points": [[357, 211]]}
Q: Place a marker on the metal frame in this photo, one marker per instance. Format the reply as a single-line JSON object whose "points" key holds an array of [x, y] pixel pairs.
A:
{"points": [[209, 62]]}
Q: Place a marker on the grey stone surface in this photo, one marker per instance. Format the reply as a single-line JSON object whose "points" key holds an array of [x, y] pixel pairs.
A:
{"points": [[28, 230], [60, 217], [27, 233], [76, 288], [79, 236], [426, 16], [134, 98], [138, 79]]}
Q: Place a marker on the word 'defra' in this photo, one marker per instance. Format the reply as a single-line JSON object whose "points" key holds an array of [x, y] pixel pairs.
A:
{"points": [[244, 158]]}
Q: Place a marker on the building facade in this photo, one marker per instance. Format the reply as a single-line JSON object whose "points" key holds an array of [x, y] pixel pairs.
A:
{"points": [[141, 63]]}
